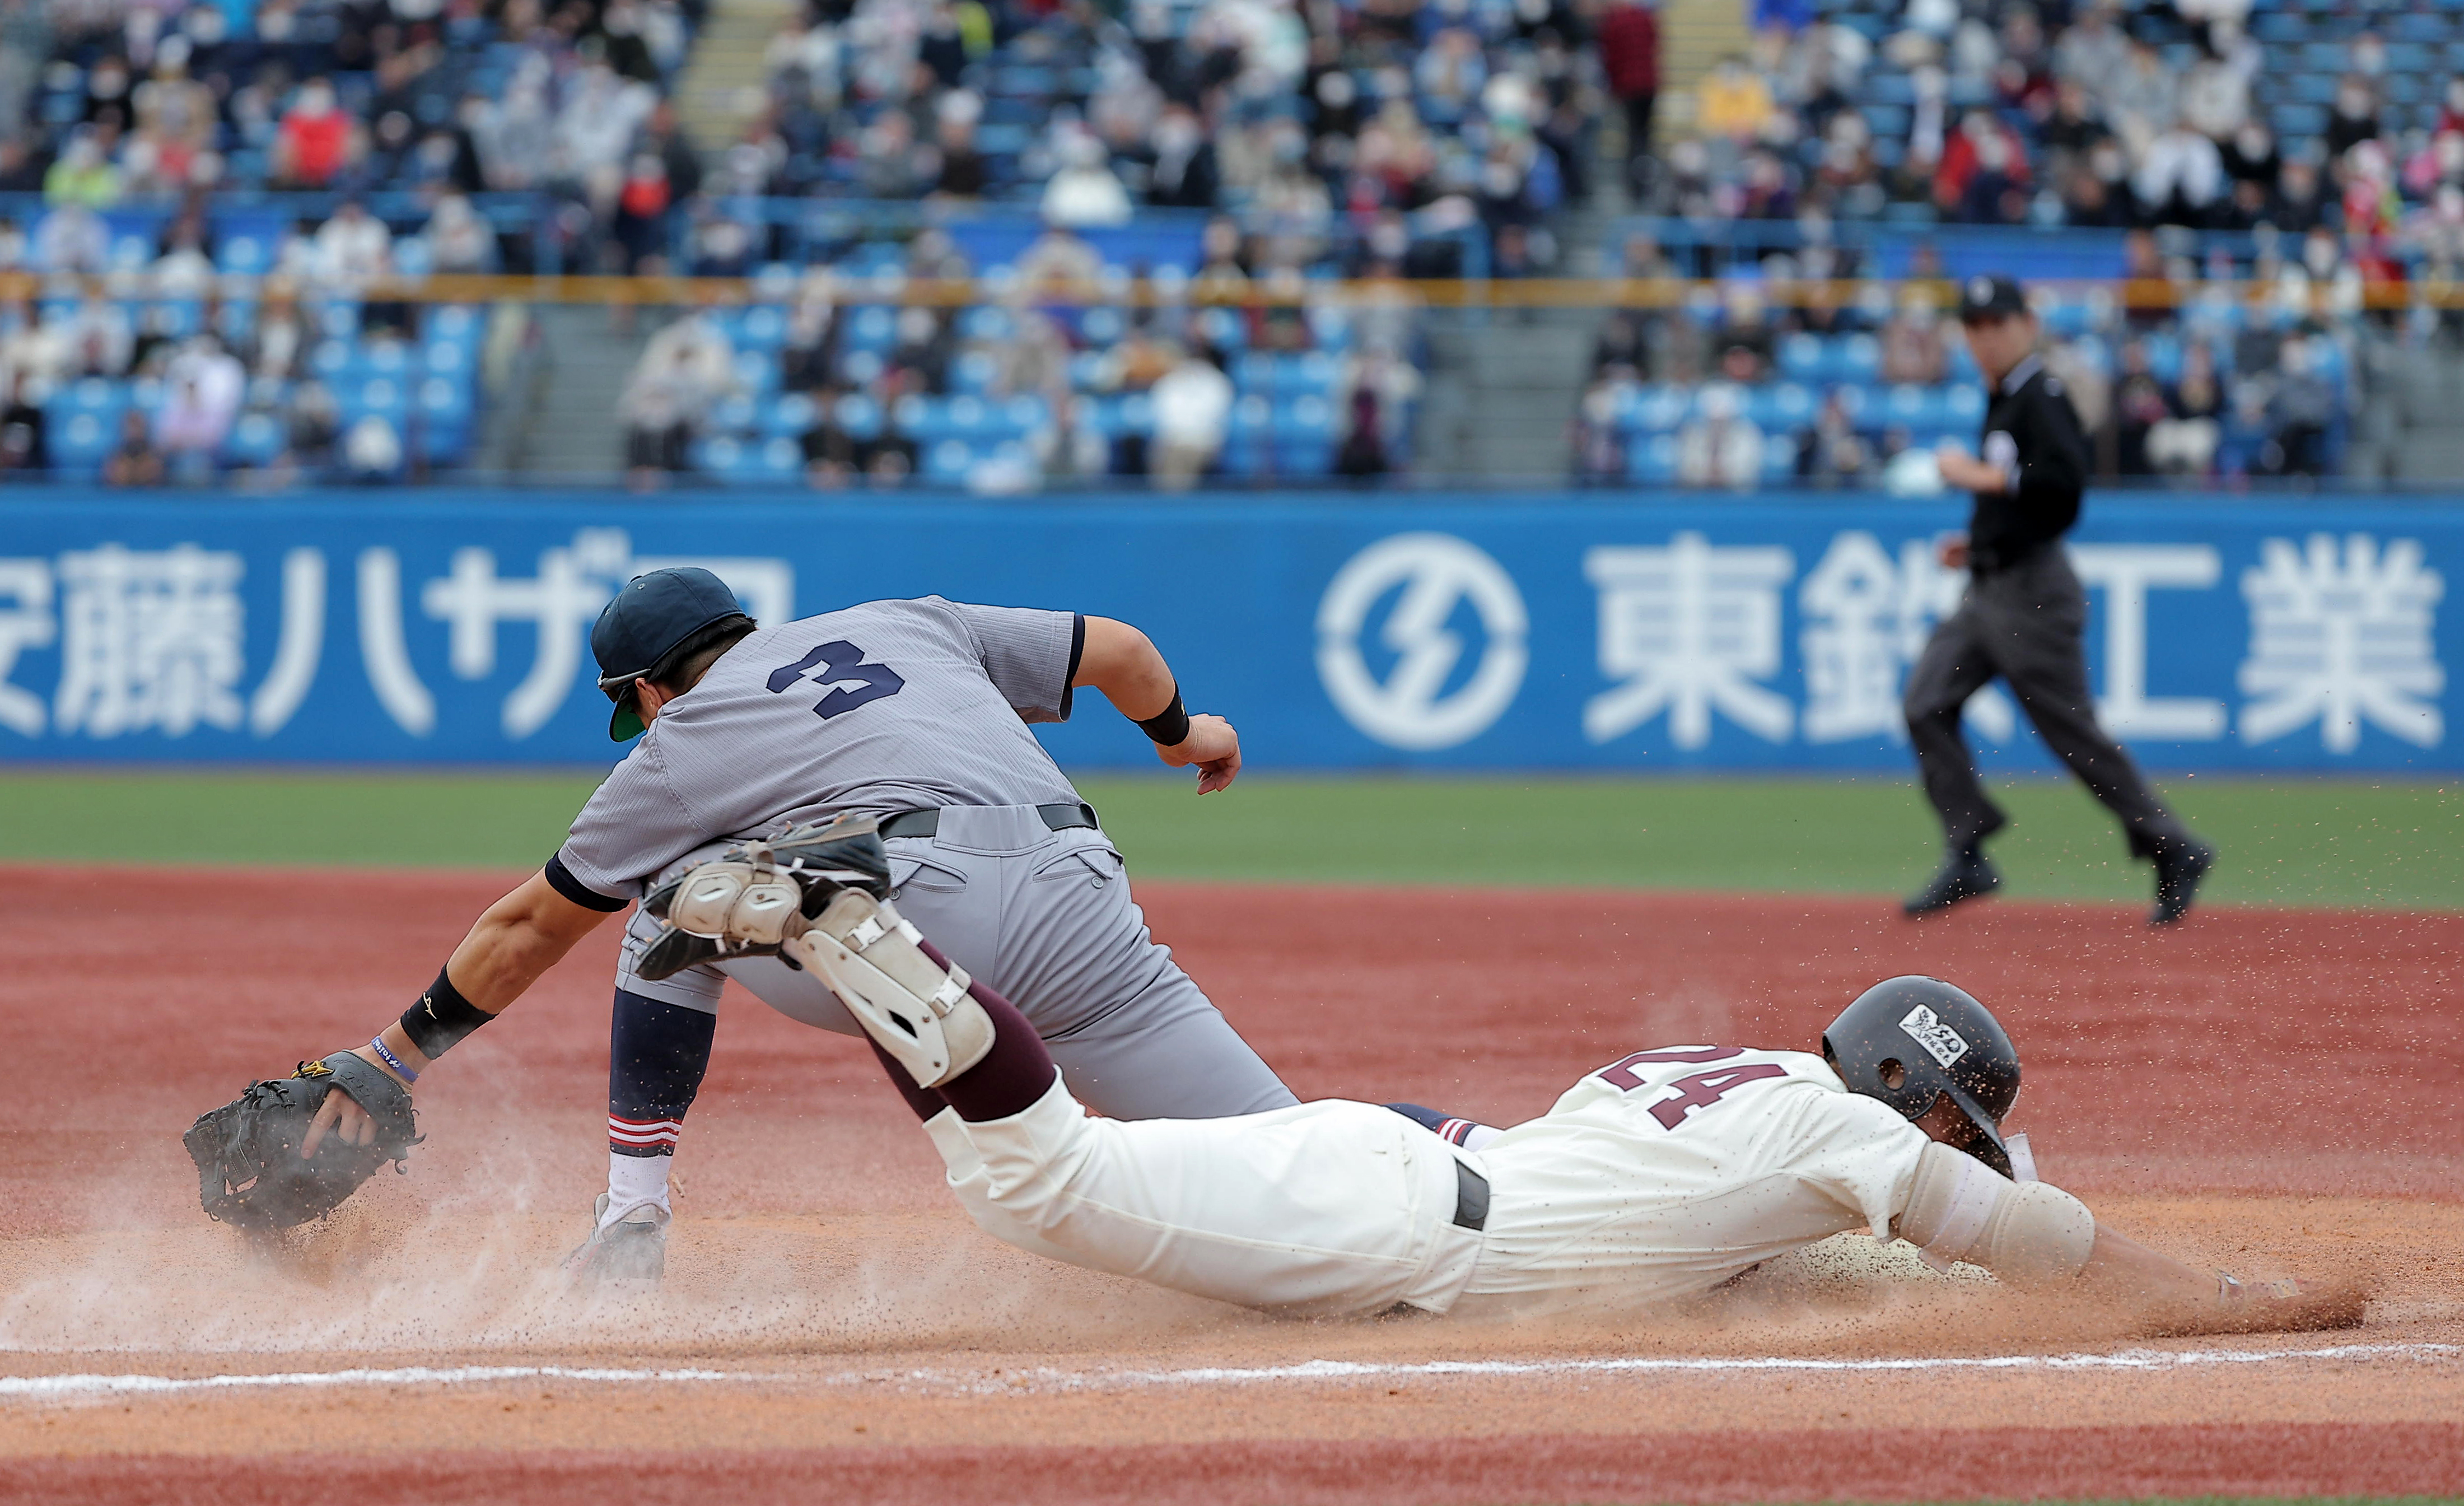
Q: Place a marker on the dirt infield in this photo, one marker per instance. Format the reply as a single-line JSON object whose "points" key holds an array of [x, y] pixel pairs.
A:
{"points": [[2269, 1091]]}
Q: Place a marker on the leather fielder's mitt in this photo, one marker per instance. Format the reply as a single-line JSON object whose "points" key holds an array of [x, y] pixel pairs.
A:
{"points": [[248, 1169]]}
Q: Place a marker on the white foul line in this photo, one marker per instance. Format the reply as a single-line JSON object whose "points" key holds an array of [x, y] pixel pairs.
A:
{"points": [[49, 1388], [2142, 1360], [62, 1387]]}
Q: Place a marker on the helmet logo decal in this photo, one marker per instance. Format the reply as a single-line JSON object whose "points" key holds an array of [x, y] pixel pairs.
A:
{"points": [[1941, 1042]]}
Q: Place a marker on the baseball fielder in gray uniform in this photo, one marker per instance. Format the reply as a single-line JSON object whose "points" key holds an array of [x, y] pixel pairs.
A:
{"points": [[914, 712]]}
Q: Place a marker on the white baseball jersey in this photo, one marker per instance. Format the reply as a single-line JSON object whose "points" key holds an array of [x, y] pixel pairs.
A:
{"points": [[1658, 1176], [1672, 1170]]}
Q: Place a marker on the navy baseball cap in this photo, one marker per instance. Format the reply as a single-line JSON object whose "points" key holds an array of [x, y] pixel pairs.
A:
{"points": [[1990, 298], [650, 617]]}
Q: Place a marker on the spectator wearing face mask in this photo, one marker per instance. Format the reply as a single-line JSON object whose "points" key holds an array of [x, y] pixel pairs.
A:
{"points": [[1185, 176], [134, 462], [315, 141], [204, 386], [1193, 410], [24, 428], [1720, 445], [1915, 345], [2300, 411], [458, 239], [2354, 117], [82, 177]]}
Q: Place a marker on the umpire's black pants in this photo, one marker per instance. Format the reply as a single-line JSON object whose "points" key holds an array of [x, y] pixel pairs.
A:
{"points": [[2025, 624]]}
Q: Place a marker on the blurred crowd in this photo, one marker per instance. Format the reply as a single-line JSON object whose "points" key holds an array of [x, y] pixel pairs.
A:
{"points": [[111, 102], [2254, 371], [1150, 390], [1397, 124], [2085, 112]]}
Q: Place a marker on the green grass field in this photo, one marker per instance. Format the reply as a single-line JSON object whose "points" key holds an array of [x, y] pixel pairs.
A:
{"points": [[2378, 842]]}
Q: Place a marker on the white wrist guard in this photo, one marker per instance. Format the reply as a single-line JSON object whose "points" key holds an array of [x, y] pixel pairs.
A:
{"points": [[919, 1011], [2026, 1232]]}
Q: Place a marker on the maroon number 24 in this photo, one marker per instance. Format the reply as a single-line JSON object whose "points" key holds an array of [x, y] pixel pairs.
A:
{"points": [[1700, 1090]]}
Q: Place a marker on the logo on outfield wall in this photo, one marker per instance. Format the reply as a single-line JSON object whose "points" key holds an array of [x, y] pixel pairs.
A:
{"points": [[1410, 707], [155, 640]]}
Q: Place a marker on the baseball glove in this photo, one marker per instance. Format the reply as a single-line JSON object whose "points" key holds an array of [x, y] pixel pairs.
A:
{"points": [[250, 1172]]}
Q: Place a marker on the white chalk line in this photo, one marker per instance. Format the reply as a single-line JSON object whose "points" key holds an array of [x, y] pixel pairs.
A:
{"points": [[54, 1387], [67, 1388], [2138, 1360]]}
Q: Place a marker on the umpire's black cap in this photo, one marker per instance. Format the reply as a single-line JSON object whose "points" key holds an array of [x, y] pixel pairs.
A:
{"points": [[650, 618], [1990, 298]]}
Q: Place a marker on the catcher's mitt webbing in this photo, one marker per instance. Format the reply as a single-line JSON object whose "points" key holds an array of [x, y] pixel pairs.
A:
{"points": [[250, 1171]]}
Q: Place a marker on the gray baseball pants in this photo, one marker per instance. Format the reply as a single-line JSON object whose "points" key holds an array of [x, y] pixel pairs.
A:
{"points": [[1045, 918], [2027, 625]]}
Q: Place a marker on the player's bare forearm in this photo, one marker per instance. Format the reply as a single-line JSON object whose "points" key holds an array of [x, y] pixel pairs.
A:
{"points": [[1129, 670], [514, 941], [518, 938], [2179, 1298], [1127, 667], [2128, 1269]]}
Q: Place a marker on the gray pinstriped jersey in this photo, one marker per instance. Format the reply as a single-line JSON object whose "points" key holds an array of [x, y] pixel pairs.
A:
{"points": [[892, 705]]}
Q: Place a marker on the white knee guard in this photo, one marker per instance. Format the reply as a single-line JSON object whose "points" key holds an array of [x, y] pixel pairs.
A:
{"points": [[919, 1011], [2026, 1232]]}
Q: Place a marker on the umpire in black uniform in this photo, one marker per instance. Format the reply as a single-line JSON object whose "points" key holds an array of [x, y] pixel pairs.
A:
{"points": [[2024, 618]]}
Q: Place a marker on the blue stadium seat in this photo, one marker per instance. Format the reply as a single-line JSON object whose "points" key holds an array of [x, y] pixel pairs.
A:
{"points": [[871, 327], [1659, 407], [1653, 460], [1779, 405], [454, 321], [948, 460], [445, 357], [987, 323], [732, 416], [1223, 328], [383, 357], [386, 397], [788, 416], [761, 327], [755, 372], [80, 444], [243, 254], [860, 416], [975, 371], [255, 439]]}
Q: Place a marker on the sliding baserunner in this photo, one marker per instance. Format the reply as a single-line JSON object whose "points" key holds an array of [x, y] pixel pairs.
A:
{"points": [[1658, 1176]]}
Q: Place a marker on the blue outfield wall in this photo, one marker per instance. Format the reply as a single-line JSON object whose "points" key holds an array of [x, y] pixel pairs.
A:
{"points": [[1569, 632]]}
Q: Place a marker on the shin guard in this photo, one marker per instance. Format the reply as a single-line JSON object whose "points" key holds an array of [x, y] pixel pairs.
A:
{"points": [[914, 1009]]}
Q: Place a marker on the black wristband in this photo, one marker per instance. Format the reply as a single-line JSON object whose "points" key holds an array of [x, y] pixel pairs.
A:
{"points": [[437, 1023], [1170, 725]]}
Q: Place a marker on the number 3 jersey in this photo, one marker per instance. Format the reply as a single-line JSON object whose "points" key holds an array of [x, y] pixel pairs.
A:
{"points": [[1673, 1170], [888, 706]]}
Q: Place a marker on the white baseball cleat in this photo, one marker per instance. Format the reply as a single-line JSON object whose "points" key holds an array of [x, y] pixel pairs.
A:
{"points": [[918, 1009]]}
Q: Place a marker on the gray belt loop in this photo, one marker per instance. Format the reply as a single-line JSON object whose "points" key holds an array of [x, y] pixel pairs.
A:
{"points": [[1065, 816]]}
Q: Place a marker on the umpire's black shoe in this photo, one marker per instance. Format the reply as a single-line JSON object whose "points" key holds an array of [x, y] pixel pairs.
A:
{"points": [[2180, 866], [1966, 875]]}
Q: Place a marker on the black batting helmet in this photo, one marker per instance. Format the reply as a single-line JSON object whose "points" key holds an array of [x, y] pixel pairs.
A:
{"points": [[1910, 1041]]}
